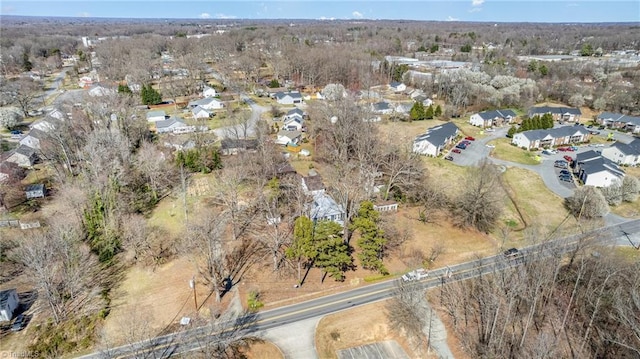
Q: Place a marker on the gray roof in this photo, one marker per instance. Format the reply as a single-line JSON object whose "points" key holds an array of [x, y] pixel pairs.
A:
{"points": [[587, 156], [395, 84], [439, 135], [203, 101], [295, 111], [39, 187], [557, 132], [313, 183], [618, 117], [170, 122], [4, 296], [631, 148], [290, 134], [229, 143], [324, 206], [489, 115], [25, 151], [293, 94], [198, 109], [598, 164], [156, 113], [381, 106], [541, 110]]}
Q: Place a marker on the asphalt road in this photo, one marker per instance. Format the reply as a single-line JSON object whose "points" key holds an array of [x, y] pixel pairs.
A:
{"points": [[192, 339]]}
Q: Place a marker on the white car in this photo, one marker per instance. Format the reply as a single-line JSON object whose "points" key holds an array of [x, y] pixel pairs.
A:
{"points": [[489, 130], [417, 274]]}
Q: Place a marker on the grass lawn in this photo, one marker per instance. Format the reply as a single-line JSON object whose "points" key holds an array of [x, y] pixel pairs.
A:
{"points": [[263, 350], [538, 206], [505, 151], [445, 174], [405, 132], [468, 129]]}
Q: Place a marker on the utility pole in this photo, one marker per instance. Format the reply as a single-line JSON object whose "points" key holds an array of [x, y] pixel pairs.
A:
{"points": [[192, 284]]}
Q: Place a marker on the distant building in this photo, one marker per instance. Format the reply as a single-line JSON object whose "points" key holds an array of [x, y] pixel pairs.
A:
{"points": [[595, 170], [35, 191], [324, 207], [492, 118], [8, 303], [432, 142], [566, 135], [566, 114]]}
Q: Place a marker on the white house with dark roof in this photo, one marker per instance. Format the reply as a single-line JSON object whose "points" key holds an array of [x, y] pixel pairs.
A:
{"points": [[285, 137], [382, 108], [101, 90], [595, 170], [324, 207], [294, 120], [288, 98], [568, 114], [397, 86], [312, 184], [619, 121], [432, 142], [156, 115], [623, 153], [566, 135], [492, 118]]}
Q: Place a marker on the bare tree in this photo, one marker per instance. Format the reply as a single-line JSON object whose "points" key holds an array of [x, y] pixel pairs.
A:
{"points": [[587, 202]]}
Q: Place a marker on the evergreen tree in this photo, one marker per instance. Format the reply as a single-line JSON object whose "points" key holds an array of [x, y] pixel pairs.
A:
{"points": [[332, 254], [547, 120], [372, 240], [434, 48], [511, 132], [438, 111], [302, 250], [428, 114], [417, 112], [543, 70], [124, 89], [150, 96]]}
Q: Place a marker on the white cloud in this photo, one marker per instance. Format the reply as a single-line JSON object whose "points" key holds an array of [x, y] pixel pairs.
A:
{"points": [[326, 18], [450, 18], [357, 14], [205, 15], [84, 14], [223, 16], [475, 9], [477, 2]]}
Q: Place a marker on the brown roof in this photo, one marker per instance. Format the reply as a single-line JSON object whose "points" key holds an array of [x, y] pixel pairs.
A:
{"points": [[313, 183]]}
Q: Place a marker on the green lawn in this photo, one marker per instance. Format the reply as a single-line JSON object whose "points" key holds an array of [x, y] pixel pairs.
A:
{"points": [[468, 129], [505, 151]]}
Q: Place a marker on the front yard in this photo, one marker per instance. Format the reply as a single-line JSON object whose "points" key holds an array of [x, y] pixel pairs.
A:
{"points": [[504, 150]]}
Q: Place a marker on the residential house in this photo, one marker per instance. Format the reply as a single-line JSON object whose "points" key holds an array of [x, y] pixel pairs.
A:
{"points": [[44, 125], [563, 114], [324, 207], [369, 95], [492, 118], [207, 103], [100, 90], [201, 113], [230, 146], [209, 92], [403, 108], [619, 121], [155, 116], [623, 153], [566, 135], [173, 125], [386, 206], [35, 191], [397, 86], [382, 108], [293, 124], [179, 144], [294, 113], [33, 139], [8, 303], [288, 137], [288, 98], [595, 170], [432, 142], [312, 184], [23, 156]]}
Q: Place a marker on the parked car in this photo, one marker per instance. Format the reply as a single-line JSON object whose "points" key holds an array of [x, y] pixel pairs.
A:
{"points": [[601, 127], [466, 142], [417, 274], [566, 178], [449, 158], [568, 158], [16, 132], [461, 146], [594, 132], [565, 172], [512, 252], [456, 150], [573, 148], [18, 324], [490, 130], [560, 164], [545, 152], [590, 126], [469, 138], [563, 149]]}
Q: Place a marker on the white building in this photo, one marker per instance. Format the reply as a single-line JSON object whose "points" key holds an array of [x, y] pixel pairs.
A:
{"points": [[492, 118], [432, 142], [209, 92], [595, 170], [155, 116], [623, 153], [565, 135], [8, 303]]}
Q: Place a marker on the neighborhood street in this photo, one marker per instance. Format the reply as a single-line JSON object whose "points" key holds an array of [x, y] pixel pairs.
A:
{"points": [[308, 311]]}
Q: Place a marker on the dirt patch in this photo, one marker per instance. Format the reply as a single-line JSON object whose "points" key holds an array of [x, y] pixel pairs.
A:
{"points": [[263, 350], [363, 325]]}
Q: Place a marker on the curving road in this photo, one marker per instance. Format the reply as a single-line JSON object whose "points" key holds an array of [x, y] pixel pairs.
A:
{"points": [[193, 339]]}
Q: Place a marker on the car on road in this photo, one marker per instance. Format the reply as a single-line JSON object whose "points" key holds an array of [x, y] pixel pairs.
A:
{"points": [[547, 152], [565, 172], [565, 178], [568, 158], [16, 132], [461, 146], [490, 130], [456, 150], [18, 324], [469, 138], [560, 164], [563, 149], [594, 132], [491, 146], [512, 252], [417, 274], [449, 158]]}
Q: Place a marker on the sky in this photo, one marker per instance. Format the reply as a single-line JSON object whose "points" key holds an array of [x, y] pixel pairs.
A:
{"points": [[553, 11]]}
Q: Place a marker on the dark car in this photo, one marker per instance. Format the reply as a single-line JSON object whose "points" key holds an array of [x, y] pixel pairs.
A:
{"points": [[16, 132], [18, 324], [565, 172], [449, 158], [461, 146], [560, 164], [511, 252], [594, 132]]}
